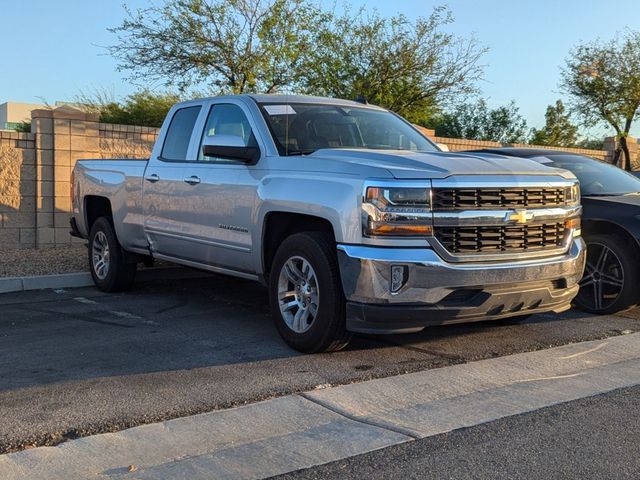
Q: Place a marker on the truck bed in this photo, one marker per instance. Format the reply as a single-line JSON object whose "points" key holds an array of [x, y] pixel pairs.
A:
{"points": [[120, 180]]}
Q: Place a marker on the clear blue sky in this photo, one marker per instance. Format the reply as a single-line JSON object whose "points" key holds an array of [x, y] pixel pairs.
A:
{"points": [[53, 46]]}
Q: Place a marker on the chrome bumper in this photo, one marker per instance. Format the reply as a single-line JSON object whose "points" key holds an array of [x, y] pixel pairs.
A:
{"points": [[438, 292]]}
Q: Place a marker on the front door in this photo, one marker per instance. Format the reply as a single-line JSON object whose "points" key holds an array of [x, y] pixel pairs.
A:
{"points": [[222, 195]]}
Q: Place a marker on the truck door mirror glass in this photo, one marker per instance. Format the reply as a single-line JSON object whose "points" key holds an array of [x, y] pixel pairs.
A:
{"points": [[229, 147]]}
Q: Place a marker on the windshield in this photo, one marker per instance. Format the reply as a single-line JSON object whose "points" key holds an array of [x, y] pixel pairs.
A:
{"points": [[300, 128], [596, 178]]}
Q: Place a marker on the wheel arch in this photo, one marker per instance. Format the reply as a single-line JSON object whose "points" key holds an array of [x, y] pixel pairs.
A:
{"points": [[96, 206], [279, 225], [608, 227], [592, 286]]}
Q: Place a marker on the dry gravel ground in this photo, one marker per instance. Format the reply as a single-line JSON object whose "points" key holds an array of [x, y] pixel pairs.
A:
{"points": [[43, 261]]}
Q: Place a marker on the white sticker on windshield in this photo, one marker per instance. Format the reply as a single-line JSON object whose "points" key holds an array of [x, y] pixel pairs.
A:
{"points": [[279, 110], [541, 159]]}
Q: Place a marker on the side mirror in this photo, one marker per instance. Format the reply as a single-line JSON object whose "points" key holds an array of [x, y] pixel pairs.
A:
{"points": [[443, 147], [230, 147]]}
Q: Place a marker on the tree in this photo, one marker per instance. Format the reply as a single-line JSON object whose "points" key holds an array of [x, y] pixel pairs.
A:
{"points": [[410, 67], [24, 127], [239, 46], [558, 130], [591, 143], [478, 122], [140, 108], [603, 82], [232, 46]]}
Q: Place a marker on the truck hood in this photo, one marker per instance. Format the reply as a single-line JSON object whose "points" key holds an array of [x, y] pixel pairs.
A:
{"points": [[404, 164]]}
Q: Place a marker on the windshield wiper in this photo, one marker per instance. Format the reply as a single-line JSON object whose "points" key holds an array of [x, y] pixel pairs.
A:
{"points": [[301, 152]]}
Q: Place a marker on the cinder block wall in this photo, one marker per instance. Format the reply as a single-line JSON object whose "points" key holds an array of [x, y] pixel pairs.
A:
{"points": [[35, 171], [458, 144], [17, 189]]}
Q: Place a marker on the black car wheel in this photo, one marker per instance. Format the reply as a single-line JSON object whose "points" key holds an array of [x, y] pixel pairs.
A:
{"points": [[307, 302], [610, 279], [109, 267]]}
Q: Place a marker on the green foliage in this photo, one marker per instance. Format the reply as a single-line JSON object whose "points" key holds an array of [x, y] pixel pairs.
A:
{"points": [[267, 46], [410, 67], [591, 143], [24, 127], [478, 122], [141, 108], [232, 46], [603, 82], [558, 130]]}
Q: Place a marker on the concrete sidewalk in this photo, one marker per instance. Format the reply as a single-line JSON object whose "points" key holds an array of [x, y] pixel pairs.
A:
{"points": [[83, 279], [300, 431]]}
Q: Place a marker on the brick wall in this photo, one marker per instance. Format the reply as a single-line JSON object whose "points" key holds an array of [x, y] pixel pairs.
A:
{"points": [[17, 189], [125, 141], [458, 144], [35, 171]]}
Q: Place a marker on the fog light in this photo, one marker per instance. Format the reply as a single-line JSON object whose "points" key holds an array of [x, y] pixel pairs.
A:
{"points": [[398, 277]]}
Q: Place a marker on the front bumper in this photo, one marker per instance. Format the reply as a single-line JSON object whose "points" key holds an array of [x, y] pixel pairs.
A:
{"points": [[436, 292]]}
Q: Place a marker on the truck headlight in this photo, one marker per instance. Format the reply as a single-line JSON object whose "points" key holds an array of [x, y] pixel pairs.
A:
{"points": [[397, 211], [573, 194]]}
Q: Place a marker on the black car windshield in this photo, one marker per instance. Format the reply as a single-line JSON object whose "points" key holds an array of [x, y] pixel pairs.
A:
{"points": [[302, 128], [596, 178]]}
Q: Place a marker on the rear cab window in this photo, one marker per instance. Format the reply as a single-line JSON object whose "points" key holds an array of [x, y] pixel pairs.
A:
{"points": [[176, 141]]}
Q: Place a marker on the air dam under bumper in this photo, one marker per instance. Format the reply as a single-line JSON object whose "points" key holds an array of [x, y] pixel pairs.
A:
{"points": [[435, 292]]}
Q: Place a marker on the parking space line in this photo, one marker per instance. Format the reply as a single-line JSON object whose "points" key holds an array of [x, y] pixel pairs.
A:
{"points": [[85, 300]]}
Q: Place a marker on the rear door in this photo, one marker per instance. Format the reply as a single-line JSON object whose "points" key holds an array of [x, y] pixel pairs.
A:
{"points": [[165, 194]]}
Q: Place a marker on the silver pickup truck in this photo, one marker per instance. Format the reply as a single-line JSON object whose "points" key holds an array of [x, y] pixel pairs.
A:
{"points": [[354, 219]]}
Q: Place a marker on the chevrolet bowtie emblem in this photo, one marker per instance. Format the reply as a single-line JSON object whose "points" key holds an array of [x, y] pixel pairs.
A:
{"points": [[520, 216]]}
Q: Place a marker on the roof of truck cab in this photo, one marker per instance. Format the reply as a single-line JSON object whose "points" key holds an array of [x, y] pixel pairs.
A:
{"points": [[284, 98]]}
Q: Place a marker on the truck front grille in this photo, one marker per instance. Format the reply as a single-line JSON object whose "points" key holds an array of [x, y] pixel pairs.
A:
{"points": [[497, 239], [497, 198]]}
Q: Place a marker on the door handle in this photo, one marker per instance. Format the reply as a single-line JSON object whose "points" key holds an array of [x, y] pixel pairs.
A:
{"points": [[192, 180], [153, 178]]}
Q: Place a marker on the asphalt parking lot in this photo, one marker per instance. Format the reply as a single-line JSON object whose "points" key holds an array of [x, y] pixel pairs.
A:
{"points": [[79, 362], [592, 438]]}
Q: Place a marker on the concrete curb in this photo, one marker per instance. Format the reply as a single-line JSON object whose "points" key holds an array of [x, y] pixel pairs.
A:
{"points": [[299, 431], [83, 279]]}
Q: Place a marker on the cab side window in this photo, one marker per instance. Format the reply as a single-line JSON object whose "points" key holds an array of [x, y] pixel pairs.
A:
{"points": [[176, 141], [226, 119]]}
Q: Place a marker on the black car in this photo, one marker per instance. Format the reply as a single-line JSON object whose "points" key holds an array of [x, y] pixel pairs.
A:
{"points": [[610, 227]]}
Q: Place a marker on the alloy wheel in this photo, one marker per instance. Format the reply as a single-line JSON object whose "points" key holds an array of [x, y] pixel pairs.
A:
{"points": [[603, 278], [298, 294], [100, 255]]}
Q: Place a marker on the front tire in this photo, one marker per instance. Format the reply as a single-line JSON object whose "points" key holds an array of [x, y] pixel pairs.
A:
{"points": [[109, 267], [611, 276], [306, 297]]}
